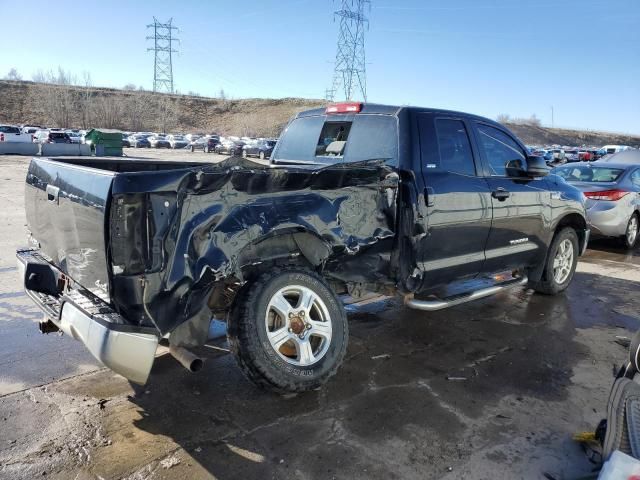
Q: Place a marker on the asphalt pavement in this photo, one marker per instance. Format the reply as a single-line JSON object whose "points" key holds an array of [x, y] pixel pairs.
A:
{"points": [[488, 390]]}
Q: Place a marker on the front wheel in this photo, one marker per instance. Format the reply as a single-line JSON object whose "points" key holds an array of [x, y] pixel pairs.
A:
{"points": [[288, 330], [561, 263], [631, 235]]}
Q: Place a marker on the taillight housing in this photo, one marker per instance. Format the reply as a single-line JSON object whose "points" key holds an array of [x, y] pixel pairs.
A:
{"points": [[346, 107], [610, 195]]}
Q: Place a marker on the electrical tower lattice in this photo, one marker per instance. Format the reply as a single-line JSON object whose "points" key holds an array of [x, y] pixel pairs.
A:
{"points": [[350, 71], [163, 40]]}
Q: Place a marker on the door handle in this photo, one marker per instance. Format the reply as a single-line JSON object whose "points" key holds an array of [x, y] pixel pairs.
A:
{"points": [[52, 193], [429, 194], [500, 194]]}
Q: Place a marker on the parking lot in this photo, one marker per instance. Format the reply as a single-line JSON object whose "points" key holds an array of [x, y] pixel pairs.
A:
{"points": [[487, 390]]}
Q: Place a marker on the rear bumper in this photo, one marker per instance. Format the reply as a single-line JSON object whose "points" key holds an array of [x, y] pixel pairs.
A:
{"points": [[124, 348], [608, 219]]}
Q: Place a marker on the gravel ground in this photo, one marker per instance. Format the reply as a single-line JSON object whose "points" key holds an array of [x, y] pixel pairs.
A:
{"points": [[532, 371]]}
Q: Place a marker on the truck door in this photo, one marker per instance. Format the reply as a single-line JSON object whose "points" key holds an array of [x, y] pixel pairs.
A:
{"points": [[458, 201], [519, 203]]}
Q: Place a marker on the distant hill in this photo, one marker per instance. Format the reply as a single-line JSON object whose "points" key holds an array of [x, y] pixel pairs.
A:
{"points": [[534, 135], [134, 110]]}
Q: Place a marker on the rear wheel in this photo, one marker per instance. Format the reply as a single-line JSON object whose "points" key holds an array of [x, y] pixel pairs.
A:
{"points": [[631, 235], [561, 263], [288, 330]]}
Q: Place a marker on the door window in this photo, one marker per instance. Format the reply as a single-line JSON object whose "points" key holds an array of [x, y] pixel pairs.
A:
{"points": [[454, 148], [502, 152]]}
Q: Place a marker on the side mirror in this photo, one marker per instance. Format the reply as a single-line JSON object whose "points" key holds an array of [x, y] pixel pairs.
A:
{"points": [[537, 167]]}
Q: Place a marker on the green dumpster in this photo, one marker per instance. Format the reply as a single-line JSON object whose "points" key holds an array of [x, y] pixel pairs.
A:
{"points": [[105, 142]]}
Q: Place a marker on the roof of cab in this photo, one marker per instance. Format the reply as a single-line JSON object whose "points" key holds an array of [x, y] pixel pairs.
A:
{"points": [[375, 108]]}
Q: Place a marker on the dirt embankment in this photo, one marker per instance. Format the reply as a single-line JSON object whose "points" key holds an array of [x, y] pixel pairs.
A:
{"points": [[80, 107], [533, 135]]}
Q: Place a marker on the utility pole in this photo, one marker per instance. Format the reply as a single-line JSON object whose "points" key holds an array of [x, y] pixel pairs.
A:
{"points": [[349, 74], [552, 119], [163, 40]]}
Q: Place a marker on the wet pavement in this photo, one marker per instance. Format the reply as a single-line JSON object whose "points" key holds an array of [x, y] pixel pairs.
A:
{"points": [[488, 390]]}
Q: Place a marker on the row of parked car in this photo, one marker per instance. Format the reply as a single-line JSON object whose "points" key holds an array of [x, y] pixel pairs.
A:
{"points": [[245, 146], [38, 134], [556, 155]]}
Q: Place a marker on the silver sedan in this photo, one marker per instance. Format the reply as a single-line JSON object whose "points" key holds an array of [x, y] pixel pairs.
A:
{"points": [[612, 192]]}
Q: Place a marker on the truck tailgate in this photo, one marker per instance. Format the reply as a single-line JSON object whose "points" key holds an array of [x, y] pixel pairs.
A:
{"points": [[66, 207]]}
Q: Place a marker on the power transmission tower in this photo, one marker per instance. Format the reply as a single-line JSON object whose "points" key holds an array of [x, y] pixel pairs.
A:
{"points": [[163, 40], [350, 73]]}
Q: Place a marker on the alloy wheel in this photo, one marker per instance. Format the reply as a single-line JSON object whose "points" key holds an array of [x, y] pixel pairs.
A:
{"points": [[298, 325]]}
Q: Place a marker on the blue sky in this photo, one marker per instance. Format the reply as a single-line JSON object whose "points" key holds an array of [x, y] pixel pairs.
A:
{"points": [[488, 57]]}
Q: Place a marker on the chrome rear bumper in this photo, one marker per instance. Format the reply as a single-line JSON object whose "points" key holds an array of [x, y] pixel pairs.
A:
{"points": [[124, 348]]}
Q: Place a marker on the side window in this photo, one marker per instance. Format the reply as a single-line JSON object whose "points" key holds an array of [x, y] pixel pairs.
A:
{"points": [[501, 151], [454, 148], [635, 178]]}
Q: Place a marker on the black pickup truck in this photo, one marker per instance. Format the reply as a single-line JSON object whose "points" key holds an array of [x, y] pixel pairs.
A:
{"points": [[437, 207]]}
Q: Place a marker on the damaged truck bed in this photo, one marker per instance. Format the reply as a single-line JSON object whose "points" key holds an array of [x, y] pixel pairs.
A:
{"points": [[356, 200]]}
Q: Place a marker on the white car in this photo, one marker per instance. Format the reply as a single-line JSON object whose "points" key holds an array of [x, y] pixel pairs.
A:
{"points": [[11, 133], [30, 129], [177, 141], [75, 136], [611, 149]]}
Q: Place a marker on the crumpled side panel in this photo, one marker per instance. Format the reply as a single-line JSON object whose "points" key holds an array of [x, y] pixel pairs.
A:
{"points": [[197, 238]]}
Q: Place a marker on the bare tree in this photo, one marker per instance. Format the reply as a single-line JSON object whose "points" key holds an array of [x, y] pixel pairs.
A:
{"points": [[38, 76], [250, 125], [108, 111], [137, 110], [57, 103], [84, 100], [167, 113], [13, 75], [503, 118]]}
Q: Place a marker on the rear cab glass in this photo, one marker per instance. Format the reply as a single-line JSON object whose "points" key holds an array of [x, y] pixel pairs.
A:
{"points": [[586, 173], [328, 139]]}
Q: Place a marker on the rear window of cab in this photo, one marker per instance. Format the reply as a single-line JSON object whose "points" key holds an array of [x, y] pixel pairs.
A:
{"points": [[334, 139], [588, 173]]}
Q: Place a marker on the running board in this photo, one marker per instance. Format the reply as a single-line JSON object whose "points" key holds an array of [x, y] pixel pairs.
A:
{"points": [[437, 304]]}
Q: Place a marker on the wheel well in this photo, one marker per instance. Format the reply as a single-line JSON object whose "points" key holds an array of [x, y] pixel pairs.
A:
{"points": [[297, 248], [578, 223]]}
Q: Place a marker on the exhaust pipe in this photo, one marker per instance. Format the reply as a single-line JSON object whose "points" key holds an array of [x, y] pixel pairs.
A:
{"points": [[187, 359]]}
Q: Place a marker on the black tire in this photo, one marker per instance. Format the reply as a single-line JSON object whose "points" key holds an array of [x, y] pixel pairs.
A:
{"points": [[247, 333], [261, 155], [629, 242], [548, 284]]}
